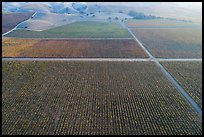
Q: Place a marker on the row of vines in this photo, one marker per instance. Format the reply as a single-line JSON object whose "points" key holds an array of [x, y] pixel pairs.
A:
{"points": [[92, 98]]}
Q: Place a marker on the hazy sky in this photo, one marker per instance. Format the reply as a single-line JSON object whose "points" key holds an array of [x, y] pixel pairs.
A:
{"points": [[180, 4], [132, 4]]}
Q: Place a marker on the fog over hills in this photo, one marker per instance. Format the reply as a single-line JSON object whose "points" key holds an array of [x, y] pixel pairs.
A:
{"points": [[43, 6], [180, 10]]}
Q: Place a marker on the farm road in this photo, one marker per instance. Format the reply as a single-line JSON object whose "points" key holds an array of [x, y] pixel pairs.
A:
{"points": [[76, 59], [168, 75], [152, 58], [94, 59], [178, 59], [73, 38], [18, 25], [149, 54], [180, 89], [166, 27]]}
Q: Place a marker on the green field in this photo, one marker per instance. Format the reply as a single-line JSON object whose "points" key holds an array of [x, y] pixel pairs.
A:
{"points": [[86, 29], [189, 75], [100, 98]]}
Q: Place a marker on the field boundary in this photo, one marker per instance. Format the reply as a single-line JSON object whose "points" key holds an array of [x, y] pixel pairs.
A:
{"points": [[15, 28], [151, 58], [72, 38], [169, 76], [96, 59], [18, 25], [178, 59], [76, 59], [165, 27]]}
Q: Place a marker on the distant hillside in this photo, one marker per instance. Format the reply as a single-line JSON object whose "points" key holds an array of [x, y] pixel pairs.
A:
{"points": [[138, 10], [79, 7]]}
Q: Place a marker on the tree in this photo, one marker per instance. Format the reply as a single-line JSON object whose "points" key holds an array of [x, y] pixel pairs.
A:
{"points": [[140, 15], [116, 18]]}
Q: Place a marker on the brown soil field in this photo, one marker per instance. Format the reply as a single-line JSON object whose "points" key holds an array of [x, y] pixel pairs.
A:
{"points": [[9, 21], [172, 43], [11, 47], [157, 23], [77, 48]]}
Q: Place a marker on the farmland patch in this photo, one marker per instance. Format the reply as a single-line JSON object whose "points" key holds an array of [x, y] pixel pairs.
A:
{"points": [[72, 48], [92, 98], [12, 47], [172, 43], [189, 75], [10, 20], [86, 29], [161, 23]]}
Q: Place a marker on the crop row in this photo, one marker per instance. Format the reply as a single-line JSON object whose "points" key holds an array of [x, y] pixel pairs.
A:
{"points": [[14, 47], [189, 75], [92, 98], [86, 29], [160, 23], [172, 43]]}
